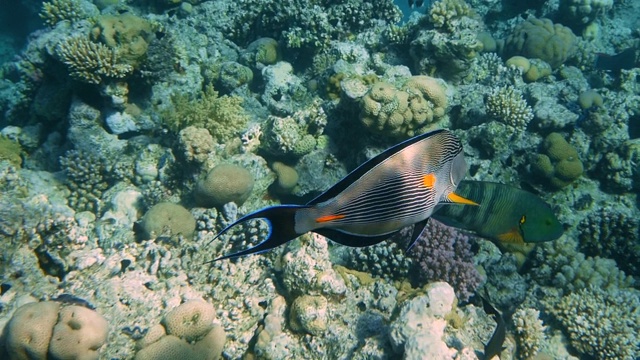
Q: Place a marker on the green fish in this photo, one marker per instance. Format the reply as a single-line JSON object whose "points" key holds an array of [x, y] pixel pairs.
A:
{"points": [[506, 214], [399, 187]]}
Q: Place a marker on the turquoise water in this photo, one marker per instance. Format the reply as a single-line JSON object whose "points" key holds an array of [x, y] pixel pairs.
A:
{"points": [[133, 132]]}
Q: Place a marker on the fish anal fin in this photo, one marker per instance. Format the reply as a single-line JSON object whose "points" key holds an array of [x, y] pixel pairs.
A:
{"points": [[327, 218], [352, 240], [417, 230], [512, 236]]}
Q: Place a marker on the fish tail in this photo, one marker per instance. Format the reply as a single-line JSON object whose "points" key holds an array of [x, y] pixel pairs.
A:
{"points": [[282, 228]]}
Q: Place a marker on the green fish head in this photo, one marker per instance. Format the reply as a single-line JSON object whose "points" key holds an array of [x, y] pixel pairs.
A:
{"points": [[540, 227]]}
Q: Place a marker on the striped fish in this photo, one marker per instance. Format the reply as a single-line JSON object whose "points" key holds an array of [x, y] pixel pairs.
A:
{"points": [[506, 214], [399, 187]]}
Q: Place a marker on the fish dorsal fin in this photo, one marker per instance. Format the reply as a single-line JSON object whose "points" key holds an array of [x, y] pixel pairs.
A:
{"points": [[351, 240], [368, 165]]}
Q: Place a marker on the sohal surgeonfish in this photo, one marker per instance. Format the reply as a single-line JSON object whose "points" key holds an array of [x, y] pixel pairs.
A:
{"points": [[506, 214], [399, 187]]}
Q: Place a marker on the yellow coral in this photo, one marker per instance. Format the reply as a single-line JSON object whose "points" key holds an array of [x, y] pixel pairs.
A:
{"points": [[430, 88], [90, 62], [60, 10]]}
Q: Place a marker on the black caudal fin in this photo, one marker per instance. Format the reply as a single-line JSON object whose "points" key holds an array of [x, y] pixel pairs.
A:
{"points": [[281, 221]]}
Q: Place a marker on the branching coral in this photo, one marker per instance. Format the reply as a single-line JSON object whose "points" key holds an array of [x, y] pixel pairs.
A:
{"points": [[443, 253], [507, 105], [529, 331], [601, 323], [91, 62], [60, 10], [223, 116], [612, 233]]}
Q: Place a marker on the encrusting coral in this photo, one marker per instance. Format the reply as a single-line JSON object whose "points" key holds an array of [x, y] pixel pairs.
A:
{"points": [[91, 62]]}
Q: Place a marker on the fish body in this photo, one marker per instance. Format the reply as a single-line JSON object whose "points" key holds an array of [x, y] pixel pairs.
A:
{"points": [[506, 214], [399, 187], [624, 60]]}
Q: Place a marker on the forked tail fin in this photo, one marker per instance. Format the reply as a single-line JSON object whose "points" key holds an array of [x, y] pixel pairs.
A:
{"points": [[281, 220]]}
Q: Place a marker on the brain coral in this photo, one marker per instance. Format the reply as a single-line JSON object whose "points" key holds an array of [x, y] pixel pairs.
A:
{"points": [[167, 217], [406, 111], [540, 38], [224, 183]]}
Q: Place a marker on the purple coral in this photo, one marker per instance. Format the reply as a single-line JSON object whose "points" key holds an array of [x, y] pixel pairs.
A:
{"points": [[443, 253]]}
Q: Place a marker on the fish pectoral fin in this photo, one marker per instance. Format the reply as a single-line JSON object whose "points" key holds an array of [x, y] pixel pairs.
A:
{"points": [[352, 240], [512, 236], [417, 230], [457, 199], [327, 218], [429, 180]]}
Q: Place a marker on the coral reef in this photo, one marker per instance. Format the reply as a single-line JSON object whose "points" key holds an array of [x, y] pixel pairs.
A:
{"points": [[91, 62], [507, 105], [55, 11], [559, 163], [542, 39], [87, 177], [612, 233], [223, 116], [404, 112], [601, 323], [443, 253], [51, 329], [167, 219], [222, 184], [529, 331]]}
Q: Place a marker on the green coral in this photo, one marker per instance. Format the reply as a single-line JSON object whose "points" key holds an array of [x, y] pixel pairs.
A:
{"points": [[559, 162], [61, 10], [91, 62], [601, 323], [10, 150], [126, 32], [223, 116], [506, 105], [541, 38]]}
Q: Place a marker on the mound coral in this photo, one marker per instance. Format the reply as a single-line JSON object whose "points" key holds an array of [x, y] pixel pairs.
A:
{"points": [[541, 38], [126, 32], [224, 183], [559, 163], [167, 219], [186, 332], [44, 330], [403, 112], [87, 178]]}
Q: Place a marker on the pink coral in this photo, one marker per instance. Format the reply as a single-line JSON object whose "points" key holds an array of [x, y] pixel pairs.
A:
{"points": [[443, 253]]}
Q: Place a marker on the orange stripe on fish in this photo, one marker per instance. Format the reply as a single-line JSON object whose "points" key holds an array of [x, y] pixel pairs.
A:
{"points": [[327, 218], [429, 180]]}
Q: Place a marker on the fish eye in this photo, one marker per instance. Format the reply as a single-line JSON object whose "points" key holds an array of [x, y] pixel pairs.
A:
{"points": [[523, 219]]}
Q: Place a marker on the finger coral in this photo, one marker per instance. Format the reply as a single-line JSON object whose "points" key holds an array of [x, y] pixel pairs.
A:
{"points": [[91, 62], [55, 11]]}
